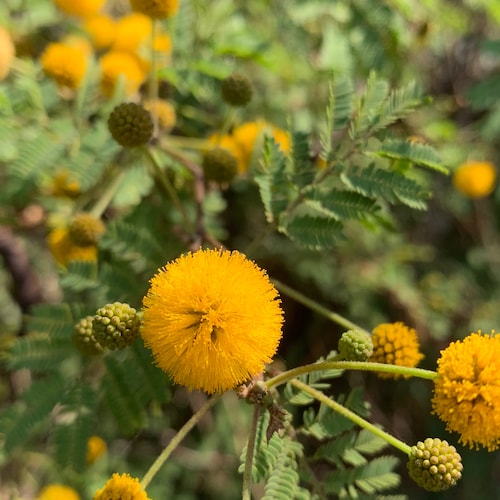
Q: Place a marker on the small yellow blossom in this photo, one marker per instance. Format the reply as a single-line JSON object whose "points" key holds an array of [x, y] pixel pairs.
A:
{"points": [[63, 186], [228, 142], [121, 487], [395, 344], [132, 31], [156, 9], [58, 492], [64, 63], [249, 134], [164, 111], [80, 8], [475, 179], [102, 30], [65, 251], [7, 52], [96, 448], [467, 390], [212, 320], [115, 64]]}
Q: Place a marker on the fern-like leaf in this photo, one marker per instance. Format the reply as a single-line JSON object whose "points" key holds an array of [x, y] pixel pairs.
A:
{"points": [[303, 168], [392, 187], [418, 154]]}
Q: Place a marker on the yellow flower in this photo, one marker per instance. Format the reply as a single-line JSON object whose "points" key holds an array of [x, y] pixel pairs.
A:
{"points": [[248, 135], [467, 390], [81, 8], [65, 251], [212, 320], [102, 30], [115, 64], [7, 52], [475, 179], [156, 8], [58, 492], [228, 142], [164, 111], [121, 487], [132, 31], [63, 186], [65, 63], [96, 448], [395, 344]]}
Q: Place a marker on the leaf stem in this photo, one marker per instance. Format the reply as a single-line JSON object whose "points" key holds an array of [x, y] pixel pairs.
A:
{"points": [[247, 474], [353, 417], [176, 440], [289, 375], [107, 196], [313, 305]]}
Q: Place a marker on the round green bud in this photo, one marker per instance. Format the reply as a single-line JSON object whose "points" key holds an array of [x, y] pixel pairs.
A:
{"points": [[83, 337], [355, 345], [116, 325], [219, 165], [130, 125], [434, 464], [85, 229], [236, 90]]}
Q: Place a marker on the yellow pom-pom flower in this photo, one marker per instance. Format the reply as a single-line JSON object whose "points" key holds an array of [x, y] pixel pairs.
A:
{"points": [[80, 8], [157, 9], [164, 111], [467, 390], [249, 134], [212, 320], [7, 52], [58, 492], [121, 487], [101, 30], [65, 63], [395, 344], [96, 448], [475, 179], [62, 186], [132, 31], [65, 251], [115, 64]]}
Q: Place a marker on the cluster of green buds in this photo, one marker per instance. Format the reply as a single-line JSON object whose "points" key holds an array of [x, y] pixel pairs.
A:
{"points": [[355, 345], [130, 125]]}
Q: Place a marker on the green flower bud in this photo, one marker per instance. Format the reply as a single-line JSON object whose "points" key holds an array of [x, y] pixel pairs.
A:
{"points": [[116, 326], [130, 125], [237, 90], [434, 464], [83, 337], [355, 345], [85, 230], [219, 165]]}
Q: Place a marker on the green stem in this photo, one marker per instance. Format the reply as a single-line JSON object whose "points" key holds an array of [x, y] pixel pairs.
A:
{"points": [[289, 375], [153, 79], [247, 474], [353, 417], [313, 305], [167, 185], [108, 194], [176, 440]]}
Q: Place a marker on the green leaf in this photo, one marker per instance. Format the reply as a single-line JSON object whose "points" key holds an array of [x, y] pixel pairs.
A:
{"points": [[341, 102], [273, 183], [303, 168], [317, 233], [392, 187], [419, 154]]}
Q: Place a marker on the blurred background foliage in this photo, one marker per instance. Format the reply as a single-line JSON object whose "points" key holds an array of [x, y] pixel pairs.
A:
{"points": [[437, 270]]}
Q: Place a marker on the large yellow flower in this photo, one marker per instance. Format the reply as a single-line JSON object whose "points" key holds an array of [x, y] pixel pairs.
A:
{"points": [[102, 30], [7, 52], [58, 492], [395, 344], [96, 448], [132, 31], [81, 8], [121, 487], [467, 390], [65, 63], [212, 320], [475, 179]]}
